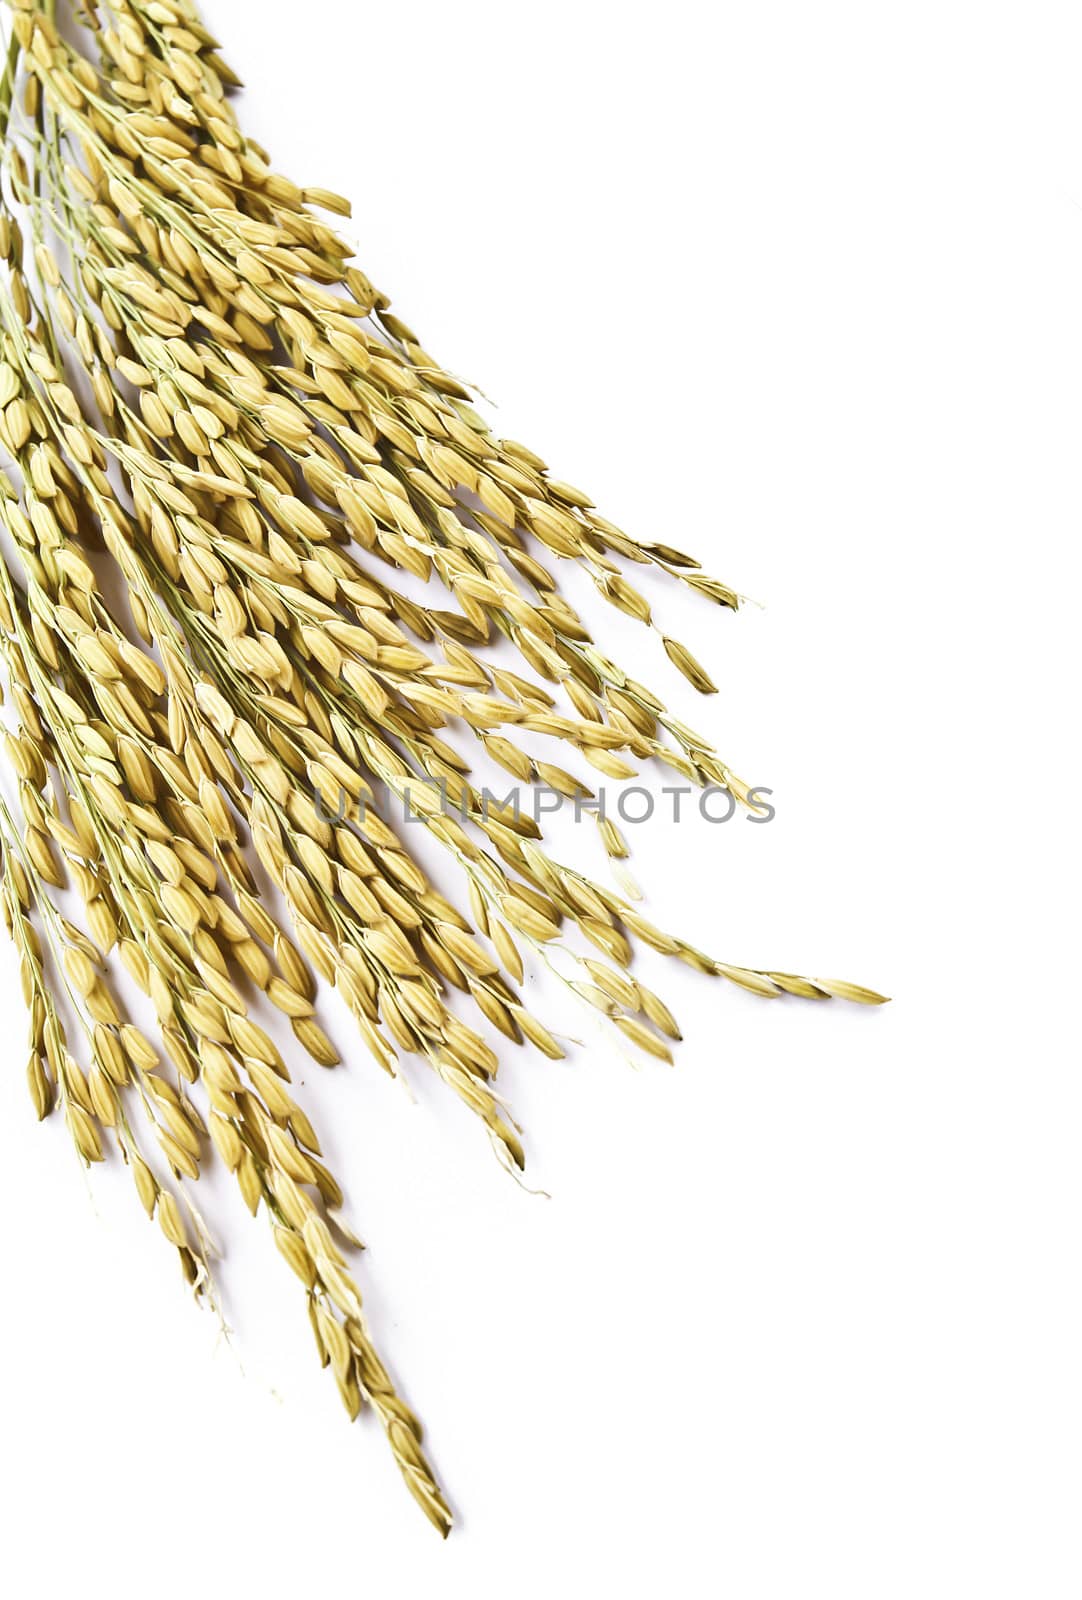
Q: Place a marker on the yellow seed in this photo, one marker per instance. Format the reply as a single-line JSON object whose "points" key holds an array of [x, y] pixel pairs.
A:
{"points": [[170, 1220], [293, 1249], [851, 991], [145, 1185], [639, 1034]]}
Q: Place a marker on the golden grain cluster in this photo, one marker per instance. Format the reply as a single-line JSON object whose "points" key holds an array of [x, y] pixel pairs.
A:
{"points": [[222, 452]]}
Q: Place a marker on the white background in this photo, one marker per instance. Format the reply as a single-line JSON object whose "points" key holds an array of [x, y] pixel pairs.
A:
{"points": [[799, 288]]}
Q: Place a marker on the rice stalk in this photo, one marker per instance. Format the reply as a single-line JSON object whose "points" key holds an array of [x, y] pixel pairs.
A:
{"points": [[223, 451]]}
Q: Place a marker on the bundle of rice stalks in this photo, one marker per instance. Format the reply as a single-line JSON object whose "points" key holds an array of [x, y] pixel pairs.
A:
{"points": [[223, 450]]}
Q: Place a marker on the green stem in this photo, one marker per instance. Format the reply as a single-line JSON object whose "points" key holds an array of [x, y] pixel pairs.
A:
{"points": [[7, 85]]}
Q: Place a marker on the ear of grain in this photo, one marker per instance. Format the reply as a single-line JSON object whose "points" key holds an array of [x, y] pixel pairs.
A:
{"points": [[224, 450]]}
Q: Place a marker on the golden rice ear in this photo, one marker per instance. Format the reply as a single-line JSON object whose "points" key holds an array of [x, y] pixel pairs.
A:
{"points": [[225, 452]]}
